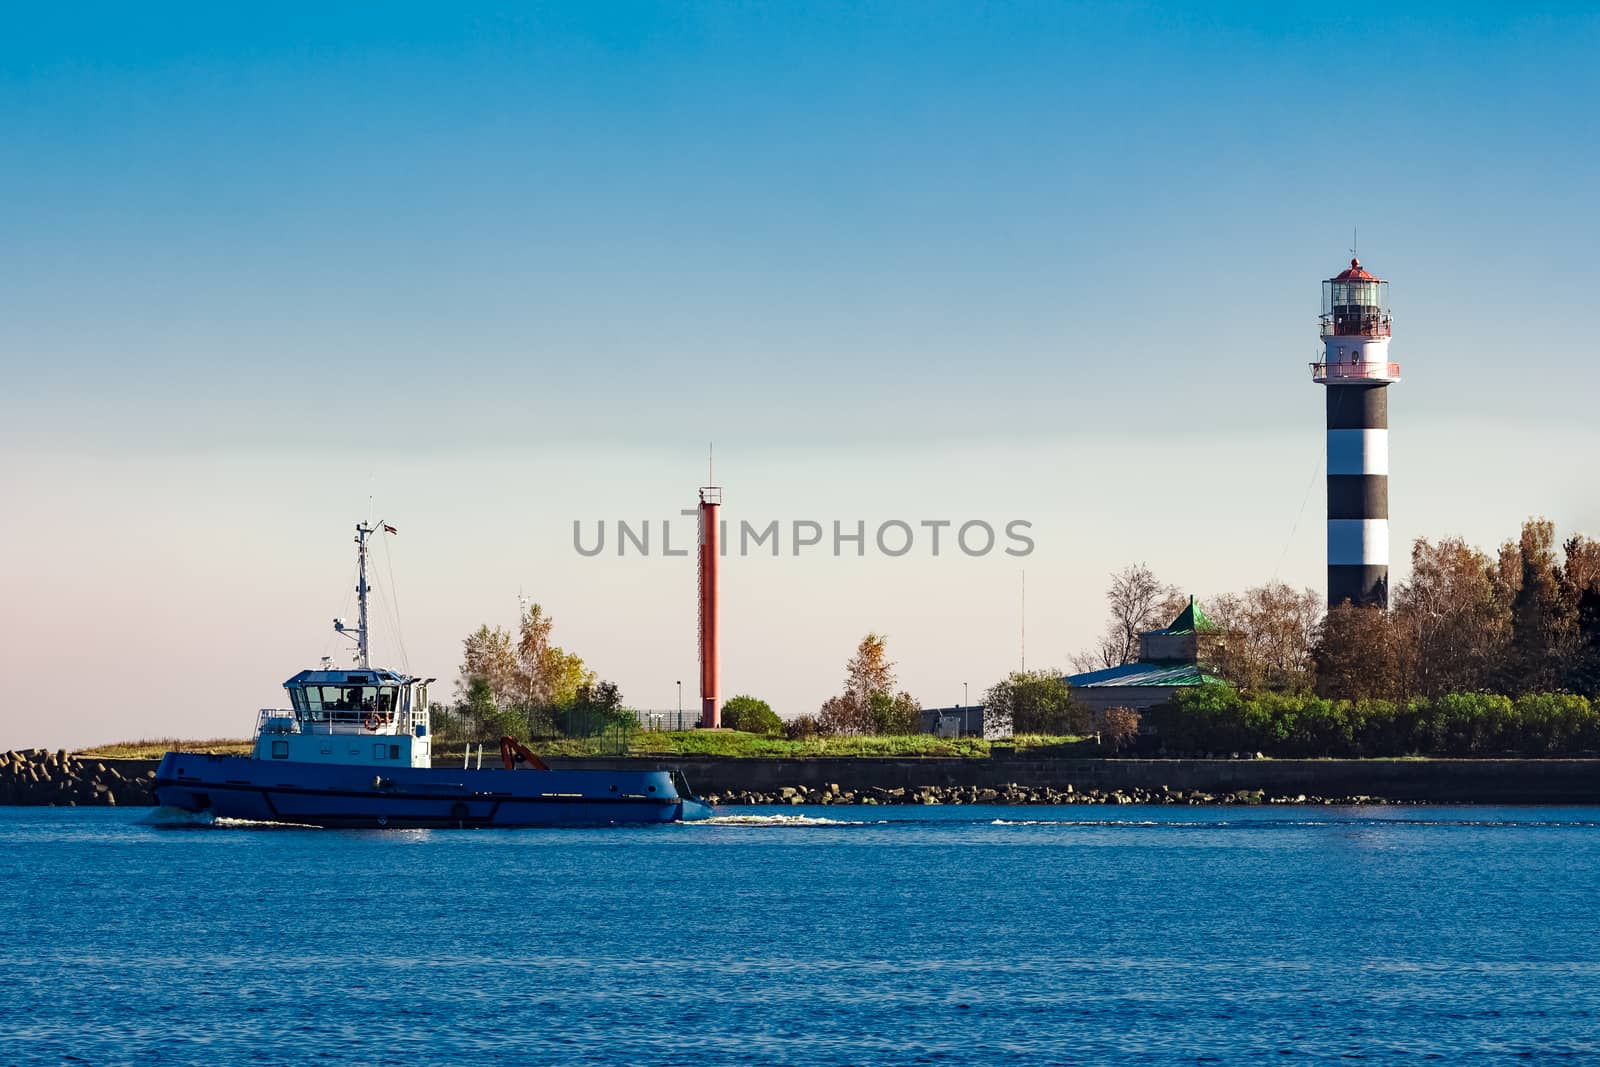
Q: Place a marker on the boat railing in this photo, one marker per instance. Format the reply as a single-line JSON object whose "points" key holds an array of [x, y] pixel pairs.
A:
{"points": [[365, 723], [277, 721]]}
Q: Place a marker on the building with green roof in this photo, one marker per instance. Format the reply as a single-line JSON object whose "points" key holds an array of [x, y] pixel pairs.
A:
{"points": [[1169, 660]]}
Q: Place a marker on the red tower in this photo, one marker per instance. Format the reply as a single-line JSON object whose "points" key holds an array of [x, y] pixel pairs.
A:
{"points": [[710, 555]]}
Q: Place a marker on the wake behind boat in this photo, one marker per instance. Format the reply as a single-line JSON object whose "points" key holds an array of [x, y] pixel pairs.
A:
{"points": [[354, 749]]}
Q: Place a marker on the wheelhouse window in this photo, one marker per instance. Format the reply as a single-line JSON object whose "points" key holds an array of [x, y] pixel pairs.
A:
{"points": [[348, 698]]}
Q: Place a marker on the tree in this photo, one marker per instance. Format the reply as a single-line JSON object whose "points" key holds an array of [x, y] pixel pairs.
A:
{"points": [[843, 716], [869, 670], [529, 679], [802, 728], [546, 675], [478, 709], [868, 703], [1453, 616], [1543, 621], [749, 715], [893, 716], [1580, 581], [1358, 654], [1034, 702], [1118, 727], [1138, 601], [1580, 568], [533, 648], [596, 706], [488, 657], [1265, 638], [1585, 675], [565, 674]]}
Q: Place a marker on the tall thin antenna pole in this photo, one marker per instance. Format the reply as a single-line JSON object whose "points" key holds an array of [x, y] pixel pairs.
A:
{"points": [[362, 531], [1024, 614]]}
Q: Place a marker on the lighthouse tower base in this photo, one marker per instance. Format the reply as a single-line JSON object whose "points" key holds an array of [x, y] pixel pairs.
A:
{"points": [[1358, 494]]}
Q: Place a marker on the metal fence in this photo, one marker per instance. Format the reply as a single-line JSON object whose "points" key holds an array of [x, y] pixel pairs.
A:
{"points": [[544, 724], [672, 719]]}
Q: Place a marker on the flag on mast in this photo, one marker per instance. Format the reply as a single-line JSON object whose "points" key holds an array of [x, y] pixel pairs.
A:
{"points": [[389, 529]]}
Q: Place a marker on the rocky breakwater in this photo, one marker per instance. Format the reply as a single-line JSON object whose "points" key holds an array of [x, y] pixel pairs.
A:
{"points": [[1020, 794], [40, 777]]}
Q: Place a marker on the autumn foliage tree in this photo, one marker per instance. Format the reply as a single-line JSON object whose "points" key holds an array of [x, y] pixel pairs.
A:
{"points": [[869, 704], [1453, 618], [1136, 601], [1264, 638], [1118, 728], [1359, 654], [517, 683]]}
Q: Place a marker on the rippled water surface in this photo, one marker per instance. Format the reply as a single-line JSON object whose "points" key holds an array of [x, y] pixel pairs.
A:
{"points": [[810, 936]]}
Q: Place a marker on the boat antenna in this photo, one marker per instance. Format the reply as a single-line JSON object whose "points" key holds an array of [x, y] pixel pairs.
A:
{"points": [[363, 531]]}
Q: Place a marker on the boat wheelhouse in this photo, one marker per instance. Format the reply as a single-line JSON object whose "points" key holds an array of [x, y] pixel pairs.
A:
{"points": [[369, 716]]}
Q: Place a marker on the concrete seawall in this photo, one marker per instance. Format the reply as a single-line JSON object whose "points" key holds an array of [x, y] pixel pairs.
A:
{"points": [[38, 776]]}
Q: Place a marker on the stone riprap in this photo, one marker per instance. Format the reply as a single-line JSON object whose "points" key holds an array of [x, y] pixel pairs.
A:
{"points": [[41, 777], [1014, 793]]}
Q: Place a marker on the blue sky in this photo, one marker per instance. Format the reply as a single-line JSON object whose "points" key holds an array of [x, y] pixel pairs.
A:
{"points": [[494, 270]]}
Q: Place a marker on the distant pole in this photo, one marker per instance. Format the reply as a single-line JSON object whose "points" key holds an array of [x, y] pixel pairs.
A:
{"points": [[1024, 622], [963, 694], [680, 703]]}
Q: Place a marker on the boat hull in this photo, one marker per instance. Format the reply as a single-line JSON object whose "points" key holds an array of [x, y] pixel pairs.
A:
{"points": [[236, 787]]}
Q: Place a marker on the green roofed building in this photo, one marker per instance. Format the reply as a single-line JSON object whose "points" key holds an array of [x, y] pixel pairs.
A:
{"points": [[1169, 660]]}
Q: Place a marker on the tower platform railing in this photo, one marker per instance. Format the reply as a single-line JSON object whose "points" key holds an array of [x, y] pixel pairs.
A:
{"points": [[1355, 372]]}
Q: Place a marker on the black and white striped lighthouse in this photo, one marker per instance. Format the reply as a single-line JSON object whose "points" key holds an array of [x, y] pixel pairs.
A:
{"points": [[1357, 372]]}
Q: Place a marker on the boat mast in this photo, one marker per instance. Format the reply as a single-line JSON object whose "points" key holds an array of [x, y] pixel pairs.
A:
{"points": [[362, 532]]}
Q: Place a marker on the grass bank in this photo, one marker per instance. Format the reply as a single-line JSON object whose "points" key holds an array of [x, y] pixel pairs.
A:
{"points": [[730, 744]]}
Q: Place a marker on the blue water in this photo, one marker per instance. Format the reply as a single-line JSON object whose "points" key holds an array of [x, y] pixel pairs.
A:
{"points": [[908, 935]]}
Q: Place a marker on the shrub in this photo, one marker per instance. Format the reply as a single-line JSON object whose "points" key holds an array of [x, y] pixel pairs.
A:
{"points": [[1035, 702], [748, 715], [896, 716], [1118, 727], [1218, 719], [802, 728]]}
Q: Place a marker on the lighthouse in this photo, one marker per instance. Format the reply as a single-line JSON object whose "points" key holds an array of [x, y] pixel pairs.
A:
{"points": [[1356, 370]]}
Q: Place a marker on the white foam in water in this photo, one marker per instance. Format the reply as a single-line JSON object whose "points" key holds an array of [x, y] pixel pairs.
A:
{"points": [[1099, 822], [179, 818], [165, 816], [777, 820]]}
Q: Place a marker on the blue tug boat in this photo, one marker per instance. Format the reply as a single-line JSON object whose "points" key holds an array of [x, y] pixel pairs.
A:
{"points": [[354, 750]]}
